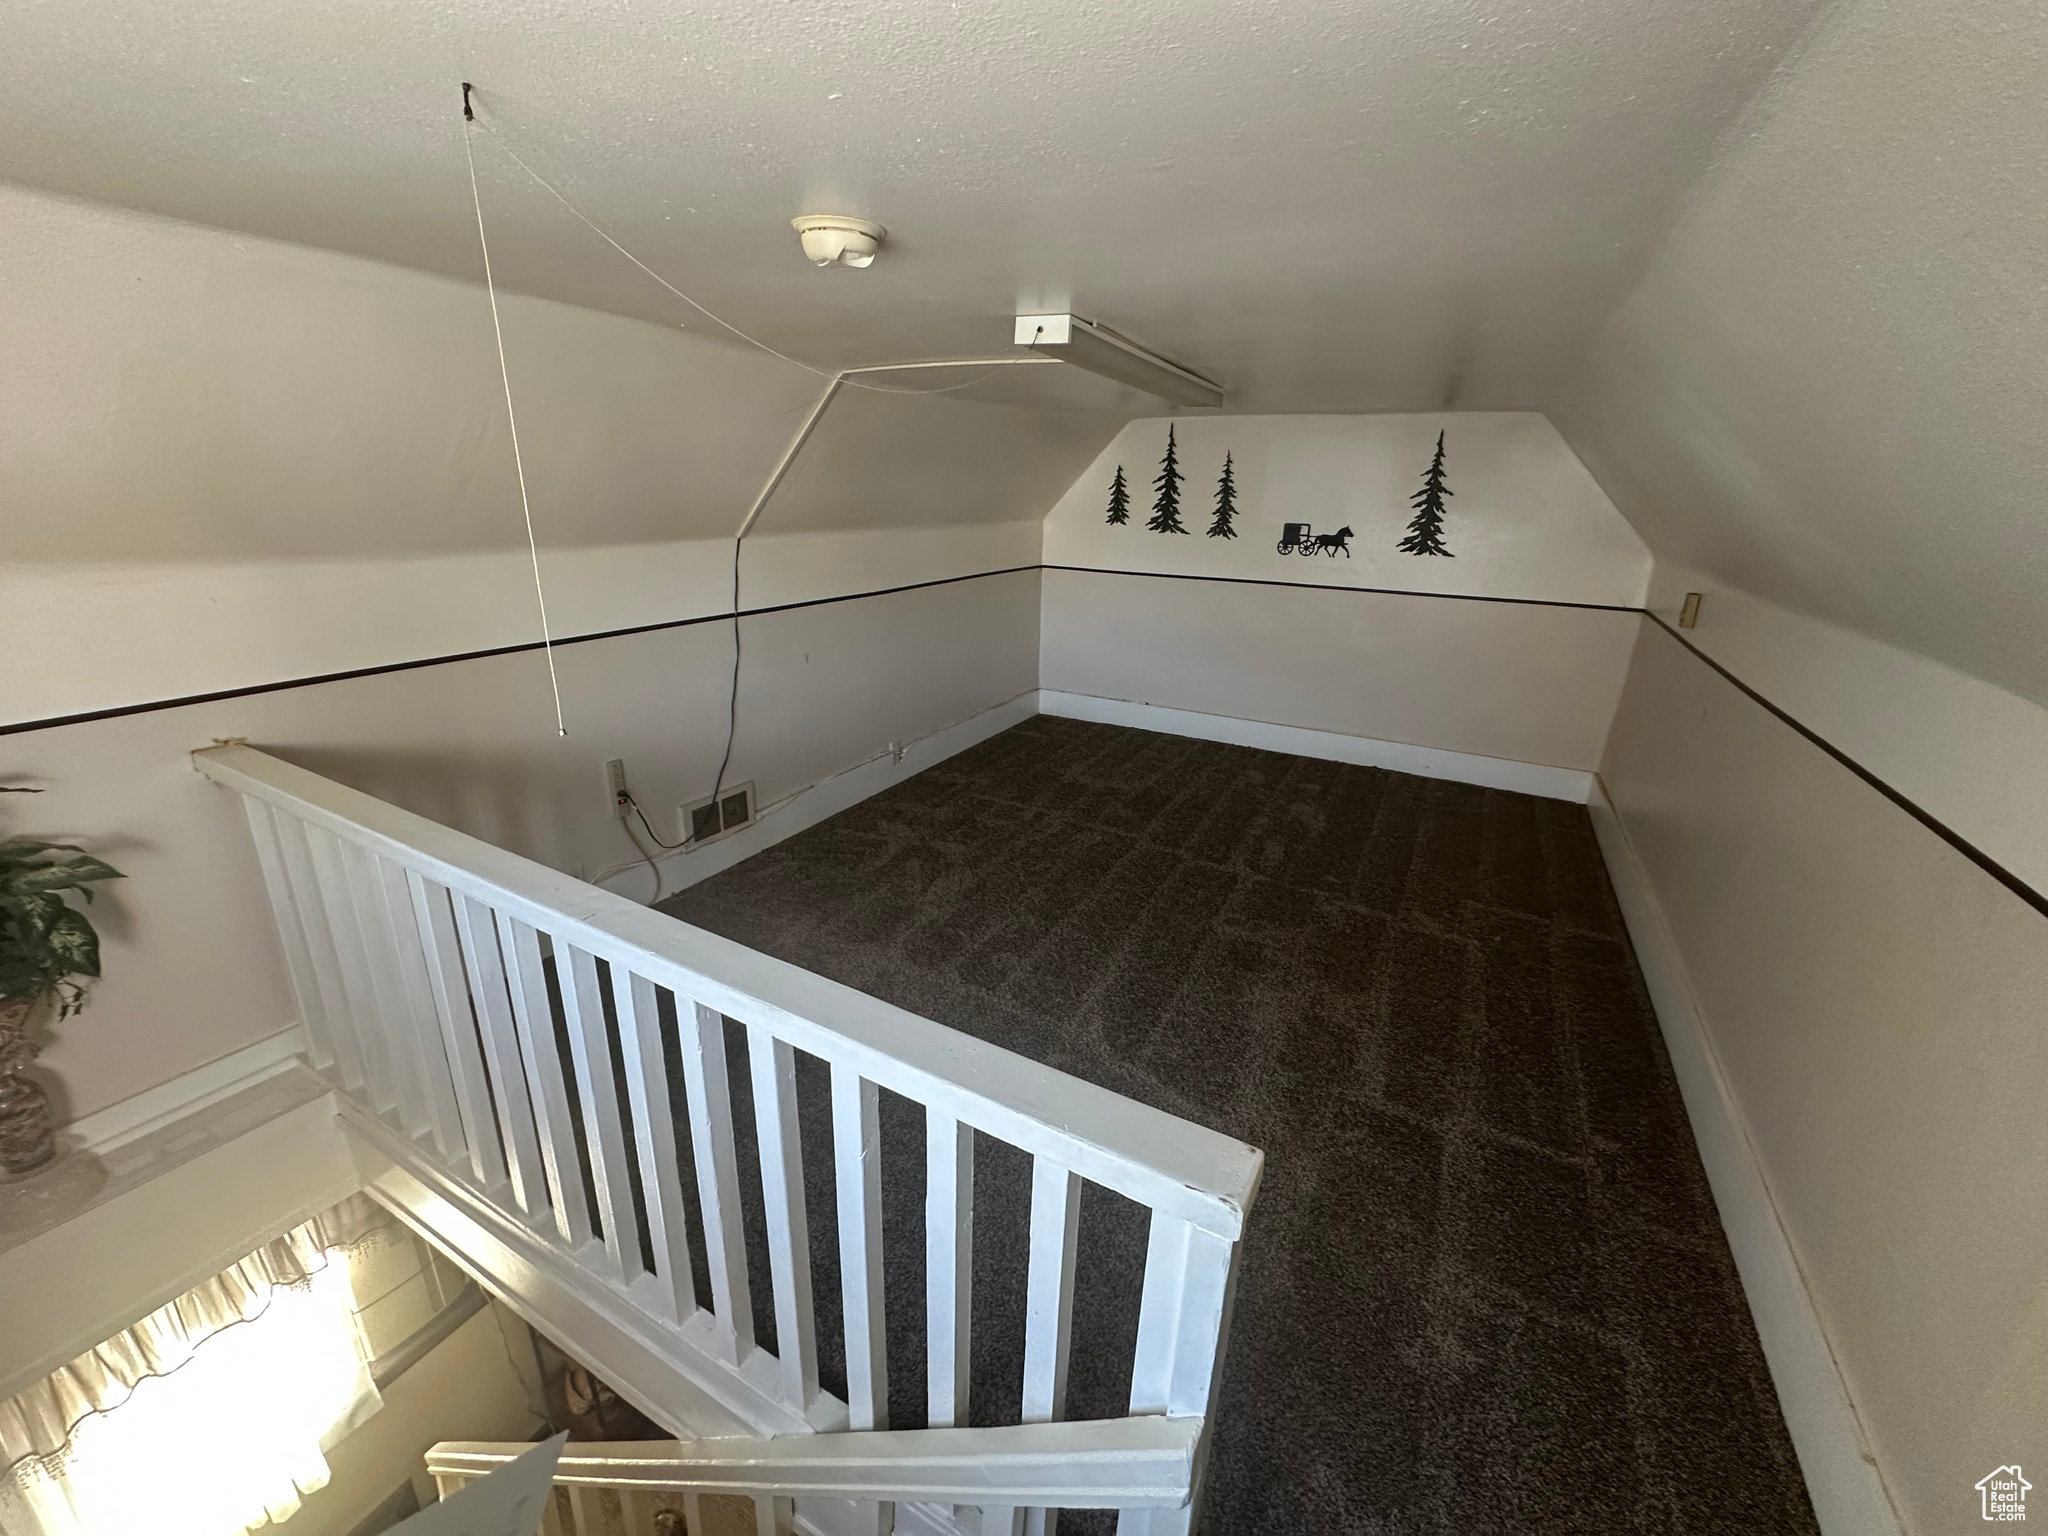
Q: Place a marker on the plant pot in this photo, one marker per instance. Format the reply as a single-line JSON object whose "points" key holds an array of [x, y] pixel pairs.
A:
{"points": [[26, 1140]]}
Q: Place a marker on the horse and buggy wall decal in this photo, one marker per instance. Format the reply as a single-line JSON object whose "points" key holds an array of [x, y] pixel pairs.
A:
{"points": [[1300, 539], [1423, 536]]}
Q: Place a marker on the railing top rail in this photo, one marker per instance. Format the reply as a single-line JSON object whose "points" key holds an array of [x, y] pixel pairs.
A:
{"points": [[1174, 1166], [1134, 1463]]}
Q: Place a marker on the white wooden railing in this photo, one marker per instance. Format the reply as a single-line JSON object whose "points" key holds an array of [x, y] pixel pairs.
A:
{"points": [[607, 1488], [420, 959]]}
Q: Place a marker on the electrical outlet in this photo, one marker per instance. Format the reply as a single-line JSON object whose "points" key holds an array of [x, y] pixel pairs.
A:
{"points": [[895, 751], [615, 786]]}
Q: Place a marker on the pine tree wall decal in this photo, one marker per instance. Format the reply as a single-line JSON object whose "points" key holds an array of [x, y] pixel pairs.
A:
{"points": [[1426, 529], [1165, 516], [1226, 504], [1119, 499]]}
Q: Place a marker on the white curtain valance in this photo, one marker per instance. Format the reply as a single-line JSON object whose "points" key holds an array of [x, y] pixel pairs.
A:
{"points": [[37, 1424]]}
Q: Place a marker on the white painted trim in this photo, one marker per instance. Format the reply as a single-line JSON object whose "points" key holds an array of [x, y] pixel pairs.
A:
{"points": [[1574, 784], [673, 1373], [1842, 1477], [1142, 1462], [154, 1108], [664, 1371], [807, 807]]}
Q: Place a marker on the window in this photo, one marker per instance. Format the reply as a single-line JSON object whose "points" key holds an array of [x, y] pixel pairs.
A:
{"points": [[211, 1415]]}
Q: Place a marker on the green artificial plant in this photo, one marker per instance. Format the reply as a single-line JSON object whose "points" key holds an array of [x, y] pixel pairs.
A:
{"points": [[48, 949]]}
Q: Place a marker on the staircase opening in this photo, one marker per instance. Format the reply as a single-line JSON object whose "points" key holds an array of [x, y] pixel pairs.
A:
{"points": [[757, 1202]]}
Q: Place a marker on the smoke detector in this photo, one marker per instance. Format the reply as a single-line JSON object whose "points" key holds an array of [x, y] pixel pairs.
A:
{"points": [[838, 240]]}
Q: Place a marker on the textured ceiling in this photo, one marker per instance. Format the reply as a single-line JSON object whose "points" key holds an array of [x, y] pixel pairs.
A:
{"points": [[1332, 205], [1831, 387], [1791, 317]]}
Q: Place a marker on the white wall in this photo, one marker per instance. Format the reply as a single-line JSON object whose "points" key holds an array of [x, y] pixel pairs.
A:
{"points": [[1525, 682], [1528, 679], [1525, 519], [1822, 404], [1875, 1002], [192, 970], [107, 634], [1971, 754]]}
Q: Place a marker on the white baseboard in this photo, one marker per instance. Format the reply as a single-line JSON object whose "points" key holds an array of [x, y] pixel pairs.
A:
{"points": [[1842, 1478], [807, 807], [1574, 784], [133, 1118]]}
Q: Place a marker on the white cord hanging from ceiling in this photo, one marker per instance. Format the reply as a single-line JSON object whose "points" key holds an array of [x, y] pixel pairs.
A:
{"points": [[547, 639], [835, 378]]}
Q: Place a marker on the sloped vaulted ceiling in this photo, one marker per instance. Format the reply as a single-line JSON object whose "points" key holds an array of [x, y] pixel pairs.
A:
{"points": [[1797, 335], [1831, 386], [1333, 205]]}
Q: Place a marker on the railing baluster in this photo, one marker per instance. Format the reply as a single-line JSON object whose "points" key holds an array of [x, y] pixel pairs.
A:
{"points": [[536, 1025], [948, 1264], [772, 1064], [320, 951], [1154, 1522], [431, 1008], [423, 1041], [765, 1523], [331, 871], [857, 1154], [1189, 1277], [597, 1092], [636, 1511], [1188, 1274], [397, 1033], [1049, 1304], [701, 1033], [434, 915], [654, 1136], [1049, 1289], [298, 962], [585, 1512], [483, 961]]}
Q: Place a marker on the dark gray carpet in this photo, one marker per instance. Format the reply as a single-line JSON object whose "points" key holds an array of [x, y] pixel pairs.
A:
{"points": [[1483, 1287]]}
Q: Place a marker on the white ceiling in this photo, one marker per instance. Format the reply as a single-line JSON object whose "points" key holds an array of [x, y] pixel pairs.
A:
{"points": [[1791, 317], [1330, 205], [1831, 387]]}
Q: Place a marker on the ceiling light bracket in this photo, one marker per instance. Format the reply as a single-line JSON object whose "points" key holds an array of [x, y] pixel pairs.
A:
{"points": [[1101, 350]]}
